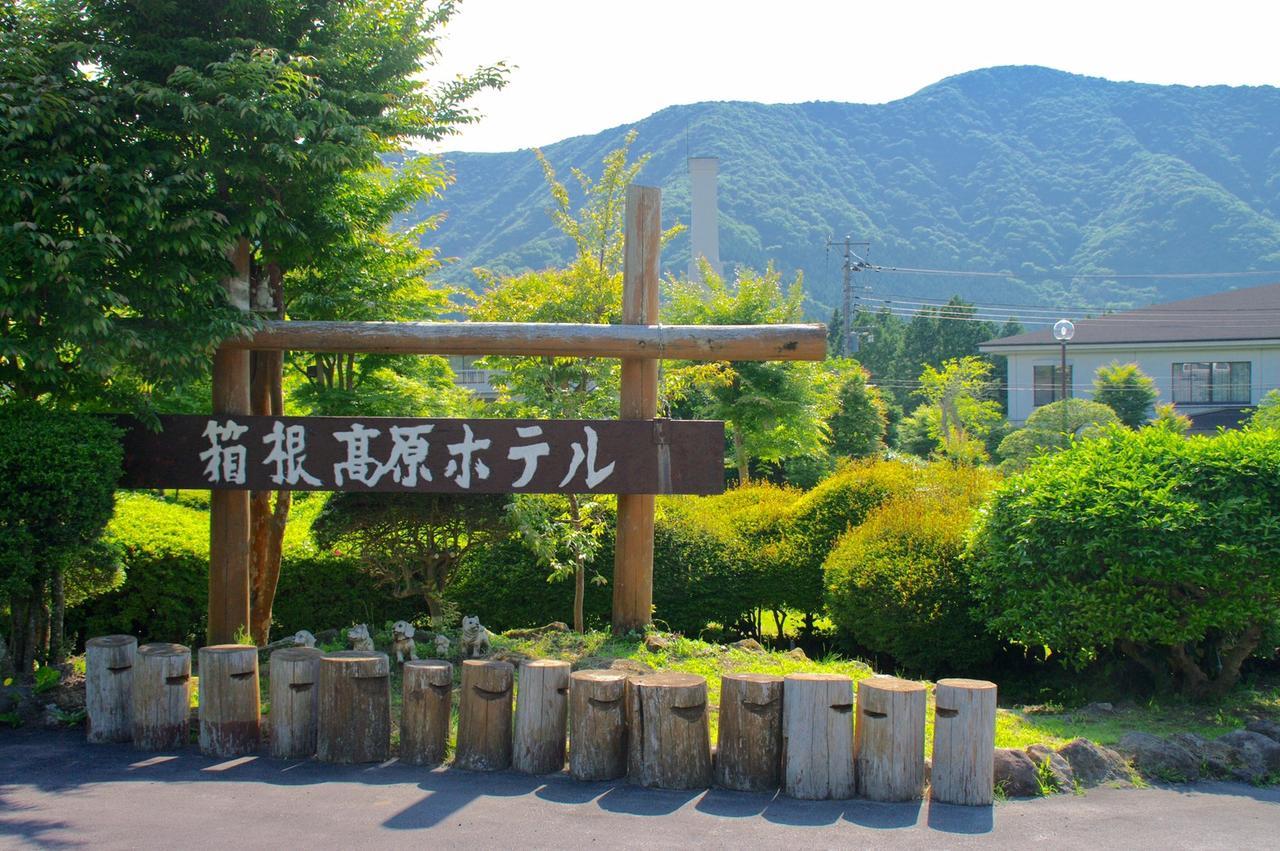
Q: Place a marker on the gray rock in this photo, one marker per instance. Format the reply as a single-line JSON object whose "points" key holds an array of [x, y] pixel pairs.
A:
{"points": [[748, 645], [1249, 742], [1093, 764], [1160, 759], [1015, 774], [1064, 778], [1268, 728], [1101, 708], [797, 654], [654, 642]]}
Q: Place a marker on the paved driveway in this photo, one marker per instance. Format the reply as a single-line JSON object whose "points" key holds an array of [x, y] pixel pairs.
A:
{"points": [[56, 791]]}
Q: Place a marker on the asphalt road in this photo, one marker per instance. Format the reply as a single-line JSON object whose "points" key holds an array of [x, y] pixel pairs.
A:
{"points": [[56, 791]]}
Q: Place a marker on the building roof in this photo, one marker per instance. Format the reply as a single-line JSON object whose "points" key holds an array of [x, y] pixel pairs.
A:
{"points": [[1245, 314]]}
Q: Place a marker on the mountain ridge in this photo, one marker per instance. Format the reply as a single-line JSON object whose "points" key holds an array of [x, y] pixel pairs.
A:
{"points": [[1023, 170]]}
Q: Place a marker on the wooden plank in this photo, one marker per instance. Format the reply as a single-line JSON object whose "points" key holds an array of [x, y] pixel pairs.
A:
{"points": [[633, 552], [640, 338], [231, 454], [228, 607]]}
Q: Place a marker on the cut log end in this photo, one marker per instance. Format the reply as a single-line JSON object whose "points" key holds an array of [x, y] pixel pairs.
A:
{"points": [[889, 738]]}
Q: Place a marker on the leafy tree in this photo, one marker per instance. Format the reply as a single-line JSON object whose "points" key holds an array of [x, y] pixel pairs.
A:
{"points": [[589, 290], [1051, 428], [960, 410], [411, 543], [278, 106], [1168, 418], [772, 410], [1160, 546], [1267, 414], [111, 258], [857, 427], [58, 473], [1127, 390]]}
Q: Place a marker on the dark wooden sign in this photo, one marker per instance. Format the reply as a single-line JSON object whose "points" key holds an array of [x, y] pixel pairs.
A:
{"points": [[230, 452]]}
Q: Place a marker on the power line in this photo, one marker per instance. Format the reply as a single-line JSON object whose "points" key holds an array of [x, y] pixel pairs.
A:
{"points": [[1059, 310]]}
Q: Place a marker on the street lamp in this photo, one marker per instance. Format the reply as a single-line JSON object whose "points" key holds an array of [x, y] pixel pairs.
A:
{"points": [[1063, 331]]}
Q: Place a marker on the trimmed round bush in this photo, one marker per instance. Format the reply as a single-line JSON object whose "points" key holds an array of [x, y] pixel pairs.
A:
{"points": [[895, 584]]}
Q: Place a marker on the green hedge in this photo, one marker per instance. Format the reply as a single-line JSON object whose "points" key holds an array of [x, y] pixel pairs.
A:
{"points": [[1163, 547], [165, 549]]}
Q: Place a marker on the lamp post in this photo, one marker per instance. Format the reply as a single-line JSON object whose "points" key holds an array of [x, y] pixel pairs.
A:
{"points": [[1063, 331]]}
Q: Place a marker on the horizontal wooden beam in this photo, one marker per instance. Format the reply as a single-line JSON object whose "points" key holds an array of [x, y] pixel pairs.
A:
{"points": [[665, 342]]}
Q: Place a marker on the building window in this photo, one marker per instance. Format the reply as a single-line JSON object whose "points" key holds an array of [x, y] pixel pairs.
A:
{"points": [[1212, 382], [1047, 381]]}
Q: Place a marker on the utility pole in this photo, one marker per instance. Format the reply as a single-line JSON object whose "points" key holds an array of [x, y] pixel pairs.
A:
{"points": [[852, 263]]}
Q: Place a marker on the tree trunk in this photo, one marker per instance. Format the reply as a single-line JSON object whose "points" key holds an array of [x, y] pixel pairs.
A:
{"points": [[888, 739], [58, 618], [484, 716], [964, 735], [580, 570], [267, 524], [425, 711], [817, 744], [353, 722], [229, 700], [749, 757], [108, 687], [542, 711], [598, 735], [161, 696], [294, 673], [740, 455], [669, 739]]}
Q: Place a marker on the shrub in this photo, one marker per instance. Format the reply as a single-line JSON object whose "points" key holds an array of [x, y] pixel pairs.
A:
{"points": [[1052, 428], [895, 583], [1267, 414], [1163, 547], [1127, 390], [57, 479]]}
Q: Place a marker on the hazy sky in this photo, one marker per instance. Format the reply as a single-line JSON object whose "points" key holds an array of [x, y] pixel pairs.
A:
{"points": [[586, 65]]}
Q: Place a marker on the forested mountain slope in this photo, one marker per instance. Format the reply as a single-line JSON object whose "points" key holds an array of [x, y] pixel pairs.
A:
{"points": [[1024, 170]]}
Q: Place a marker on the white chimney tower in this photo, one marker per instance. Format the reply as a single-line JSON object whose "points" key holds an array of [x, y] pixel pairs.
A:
{"points": [[704, 227]]}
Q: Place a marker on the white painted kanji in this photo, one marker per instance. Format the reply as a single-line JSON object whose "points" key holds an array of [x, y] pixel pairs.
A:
{"points": [[225, 463], [288, 453], [360, 466], [409, 447]]}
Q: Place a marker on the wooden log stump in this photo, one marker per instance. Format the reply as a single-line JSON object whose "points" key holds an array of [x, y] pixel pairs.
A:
{"points": [[353, 721], [294, 673], [484, 716], [425, 712], [749, 755], [542, 712], [817, 730], [161, 696], [598, 725], [888, 739], [964, 740], [669, 742], [108, 687], [229, 700]]}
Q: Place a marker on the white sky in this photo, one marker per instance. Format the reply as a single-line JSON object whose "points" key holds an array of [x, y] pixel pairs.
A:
{"points": [[587, 65]]}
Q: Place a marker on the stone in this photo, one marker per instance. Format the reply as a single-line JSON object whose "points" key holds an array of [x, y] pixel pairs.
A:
{"points": [[748, 645], [797, 654], [655, 643], [1266, 748], [1160, 759], [1092, 764], [1015, 774], [1268, 728], [600, 663], [1064, 778], [1099, 708], [506, 654], [52, 717], [1216, 758]]}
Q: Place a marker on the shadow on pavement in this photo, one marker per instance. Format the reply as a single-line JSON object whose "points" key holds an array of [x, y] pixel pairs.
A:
{"points": [[951, 818]]}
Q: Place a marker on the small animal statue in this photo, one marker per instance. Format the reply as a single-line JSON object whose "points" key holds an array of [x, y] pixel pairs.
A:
{"points": [[475, 638], [402, 639], [442, 646], [303, 638], [359, 637]]}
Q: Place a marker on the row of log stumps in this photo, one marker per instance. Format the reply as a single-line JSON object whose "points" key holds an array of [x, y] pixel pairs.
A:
{"points": [[805, 734]]}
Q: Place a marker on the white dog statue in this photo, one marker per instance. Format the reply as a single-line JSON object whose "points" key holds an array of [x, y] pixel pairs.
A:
{"points": [[303, 638], [442, 646], [359, 637], [475, 638], [402, 639]]}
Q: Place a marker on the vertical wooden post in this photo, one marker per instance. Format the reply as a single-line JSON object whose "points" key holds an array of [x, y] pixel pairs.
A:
{"points": [[228, 509], [633, 552]]}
